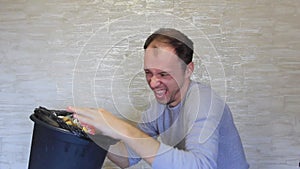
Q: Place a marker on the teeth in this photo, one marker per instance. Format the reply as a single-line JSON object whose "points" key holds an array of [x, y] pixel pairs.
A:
{"points": [[160, 92]]}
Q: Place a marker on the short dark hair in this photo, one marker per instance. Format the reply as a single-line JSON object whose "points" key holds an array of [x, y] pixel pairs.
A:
{"points": [[182, 45]]}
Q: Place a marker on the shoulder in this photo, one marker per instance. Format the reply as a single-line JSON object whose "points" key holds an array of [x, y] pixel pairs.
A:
{"points": [[153, 111], [205, 108], [201, 94]]}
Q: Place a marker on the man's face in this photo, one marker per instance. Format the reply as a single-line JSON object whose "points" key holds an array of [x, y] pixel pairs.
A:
{"points": [[165, 73]]}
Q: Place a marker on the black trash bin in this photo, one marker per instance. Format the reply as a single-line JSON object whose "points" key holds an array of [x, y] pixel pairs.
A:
{"points": [[56, 148]]}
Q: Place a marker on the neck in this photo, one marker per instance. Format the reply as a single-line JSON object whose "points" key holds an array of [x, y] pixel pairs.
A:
{"points": [[182, 93]]}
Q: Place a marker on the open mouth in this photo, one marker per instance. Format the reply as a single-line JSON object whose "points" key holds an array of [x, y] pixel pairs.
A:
{"points": [[160, 93]]}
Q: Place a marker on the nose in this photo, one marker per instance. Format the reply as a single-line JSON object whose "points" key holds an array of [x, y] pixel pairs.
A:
{"points": [[154, 82]]}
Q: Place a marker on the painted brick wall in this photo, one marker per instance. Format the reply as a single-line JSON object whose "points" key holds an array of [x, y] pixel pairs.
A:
{"points": [[60, 53]]}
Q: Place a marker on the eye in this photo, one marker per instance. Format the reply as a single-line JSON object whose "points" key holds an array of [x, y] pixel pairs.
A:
{"points": [[164, 74], [147, 73]]}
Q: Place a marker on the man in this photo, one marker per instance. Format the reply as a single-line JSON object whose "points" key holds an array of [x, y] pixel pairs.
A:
{"points": [[187, 126]]}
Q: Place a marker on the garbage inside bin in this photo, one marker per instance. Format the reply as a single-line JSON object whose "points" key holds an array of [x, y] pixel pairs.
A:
{"points": [[62, 119], [59, 142]]}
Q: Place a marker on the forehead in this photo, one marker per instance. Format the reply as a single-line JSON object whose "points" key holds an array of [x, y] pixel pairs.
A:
{"points": [[161, 56], [158, 58]]}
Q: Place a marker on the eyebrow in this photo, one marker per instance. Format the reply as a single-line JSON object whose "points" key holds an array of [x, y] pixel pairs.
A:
{"points": [[160, 71]]}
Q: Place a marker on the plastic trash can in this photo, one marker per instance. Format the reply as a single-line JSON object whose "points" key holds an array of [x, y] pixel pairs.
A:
{"points": [[57, 148]]}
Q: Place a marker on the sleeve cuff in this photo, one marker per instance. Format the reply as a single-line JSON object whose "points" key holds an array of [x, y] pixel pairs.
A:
{"points": [[161, 156], [133, 158]]}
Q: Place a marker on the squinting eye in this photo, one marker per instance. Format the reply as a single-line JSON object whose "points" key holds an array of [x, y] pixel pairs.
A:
{"points": [[164, 74], [147, 73]]}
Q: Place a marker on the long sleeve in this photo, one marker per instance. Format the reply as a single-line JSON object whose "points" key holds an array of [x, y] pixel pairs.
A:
{"points": [[195, 155], [198, 134]]}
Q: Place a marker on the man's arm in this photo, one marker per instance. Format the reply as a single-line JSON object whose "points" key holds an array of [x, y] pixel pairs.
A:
{"points": [[108, 124], [141, 143], [118, 154]]}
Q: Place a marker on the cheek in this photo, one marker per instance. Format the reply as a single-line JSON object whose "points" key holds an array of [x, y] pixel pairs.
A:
{"points": [[147, 77], [176, 85], [180, 77], [177, 79], [171, 84]]}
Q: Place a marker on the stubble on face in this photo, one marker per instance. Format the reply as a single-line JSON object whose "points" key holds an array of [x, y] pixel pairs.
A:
{"points": [[165, 73]]}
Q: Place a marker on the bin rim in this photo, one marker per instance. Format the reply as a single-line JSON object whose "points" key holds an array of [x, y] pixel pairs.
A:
{"points": [[40, 122]]}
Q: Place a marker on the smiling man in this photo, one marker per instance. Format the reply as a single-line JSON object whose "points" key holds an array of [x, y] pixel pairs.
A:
{"points": [[166, 75], [194, 126]]}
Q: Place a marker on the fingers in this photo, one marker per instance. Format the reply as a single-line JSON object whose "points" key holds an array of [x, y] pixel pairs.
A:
{"points": [[95, 119], [88, 128], [85, 117], [86, 124]]}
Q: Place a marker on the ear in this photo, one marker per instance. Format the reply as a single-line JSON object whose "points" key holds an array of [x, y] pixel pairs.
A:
{"points": [[189, 69]]}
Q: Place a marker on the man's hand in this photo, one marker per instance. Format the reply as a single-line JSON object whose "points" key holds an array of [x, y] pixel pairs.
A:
{"points": [[105, 123], [99, 121]]}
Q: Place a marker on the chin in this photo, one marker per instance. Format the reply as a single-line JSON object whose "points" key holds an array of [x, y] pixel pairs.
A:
{"points": [[162, 101]]}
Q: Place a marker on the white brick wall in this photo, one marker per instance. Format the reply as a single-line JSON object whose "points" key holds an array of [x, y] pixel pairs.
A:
{"points": [[59, 53]]}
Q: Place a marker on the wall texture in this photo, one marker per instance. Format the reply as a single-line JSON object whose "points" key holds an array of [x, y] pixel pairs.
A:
{"points": [[88, 53]]}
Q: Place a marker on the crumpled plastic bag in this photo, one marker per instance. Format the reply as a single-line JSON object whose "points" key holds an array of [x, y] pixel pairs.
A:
{"points": [[56, 119]]}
